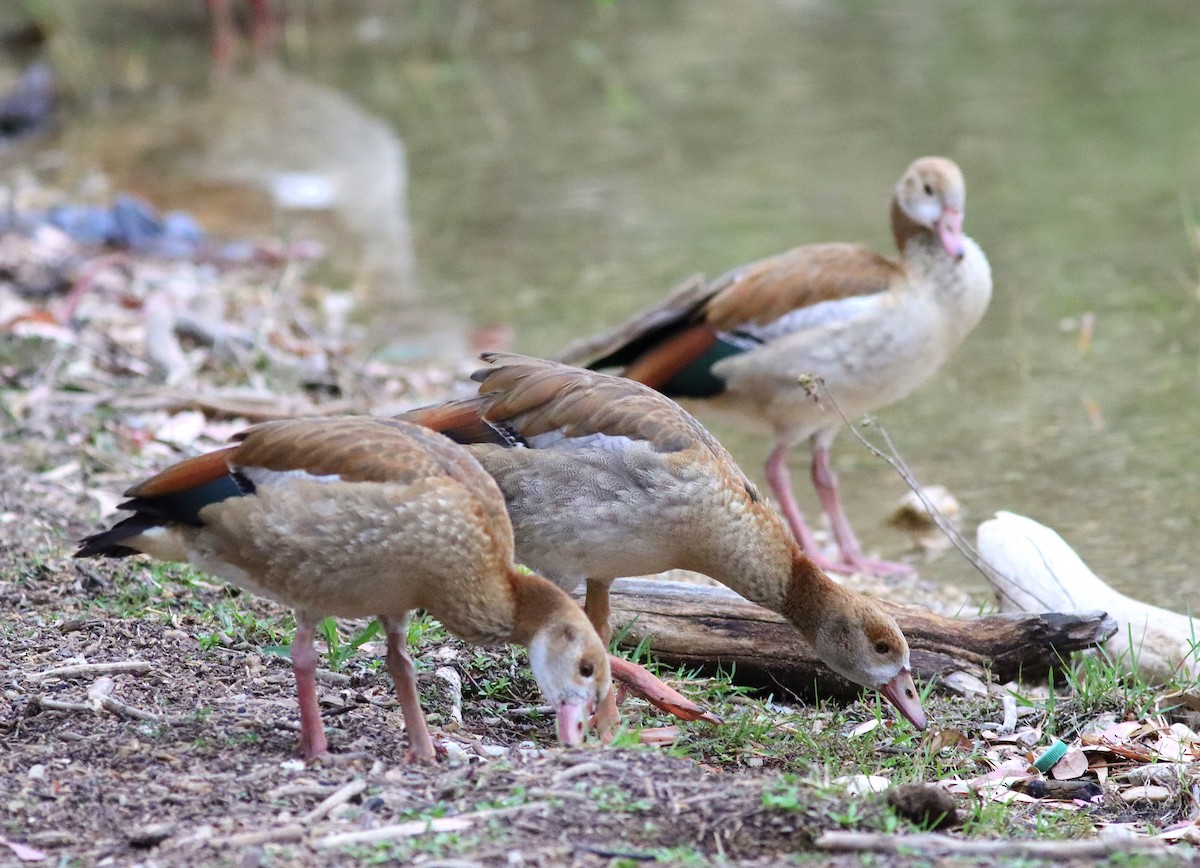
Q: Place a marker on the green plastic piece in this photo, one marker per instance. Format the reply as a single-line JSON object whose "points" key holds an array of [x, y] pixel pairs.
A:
{"points": [[1050, 756]]}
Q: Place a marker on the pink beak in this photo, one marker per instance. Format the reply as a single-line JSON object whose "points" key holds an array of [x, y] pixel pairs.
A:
{"points": [[570, 718], [902, 693], [949, 230]]}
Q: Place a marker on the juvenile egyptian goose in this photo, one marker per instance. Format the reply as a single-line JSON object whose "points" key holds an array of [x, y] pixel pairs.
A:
{"points": [[604, 477], [365, 517], [772, 342]]}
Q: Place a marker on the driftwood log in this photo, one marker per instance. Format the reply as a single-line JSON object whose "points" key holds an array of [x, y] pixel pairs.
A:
{"points": [[1033, 569], [706, 627]]}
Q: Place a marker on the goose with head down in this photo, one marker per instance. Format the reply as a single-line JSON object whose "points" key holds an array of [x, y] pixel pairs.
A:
{"points": [[604, 477], [797, 343], [366, 517]]}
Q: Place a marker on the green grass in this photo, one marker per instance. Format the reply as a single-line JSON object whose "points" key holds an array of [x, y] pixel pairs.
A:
{"points": [[338, 653]]}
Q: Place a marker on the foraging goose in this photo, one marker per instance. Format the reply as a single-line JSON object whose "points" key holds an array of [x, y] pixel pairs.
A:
{"points": [[365, 517], [604, 477], [771, 343]]}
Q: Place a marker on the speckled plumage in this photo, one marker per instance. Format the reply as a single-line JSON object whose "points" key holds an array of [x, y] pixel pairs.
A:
{"points": [[604, 477], [357, 517]]}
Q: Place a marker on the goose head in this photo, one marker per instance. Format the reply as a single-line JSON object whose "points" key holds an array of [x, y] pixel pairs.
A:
{"points": [[570, 664], [932, 193], [864, 645]]}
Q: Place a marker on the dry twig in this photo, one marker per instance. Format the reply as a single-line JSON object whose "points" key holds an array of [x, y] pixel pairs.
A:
{"points": [[89, 670], [930, 845], [339, 797]]}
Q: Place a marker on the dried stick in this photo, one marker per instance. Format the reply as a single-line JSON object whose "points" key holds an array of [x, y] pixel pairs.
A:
{"points": [[109, 704], [292, 832], [340, 796], [929, 845], [398, 830], [897, 463], [420, 827], [89, 670]]}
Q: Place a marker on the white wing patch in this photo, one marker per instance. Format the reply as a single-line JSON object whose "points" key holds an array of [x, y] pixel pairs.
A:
{"points": [[261, 476], [556, 439], [820, 314]]}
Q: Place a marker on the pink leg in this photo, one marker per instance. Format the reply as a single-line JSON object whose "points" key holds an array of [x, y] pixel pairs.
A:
{"points": [[221, 24], [777, 478], [641, 683], [262, 26], [607, 718], [400, 665], [304, 666], [826, 484]]}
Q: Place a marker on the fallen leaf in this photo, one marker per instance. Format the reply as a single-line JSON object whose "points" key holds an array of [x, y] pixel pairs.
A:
{"points": [[1171, 749], [864, 727], [1120, 731], [944, 738], [1073, 765], [1184, 699], [23, 851]]}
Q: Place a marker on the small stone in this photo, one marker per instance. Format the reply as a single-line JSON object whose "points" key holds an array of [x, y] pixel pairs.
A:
{"points": [[1148, 793], [857, 785], [1163, 774], [965, 684], [37, 771], [1063, 791], [145, 837], [925, 805]]}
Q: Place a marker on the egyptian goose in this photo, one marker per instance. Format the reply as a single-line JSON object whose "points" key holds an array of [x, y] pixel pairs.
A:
{"points": [[799, 342], [604, 477], [365, 517]]}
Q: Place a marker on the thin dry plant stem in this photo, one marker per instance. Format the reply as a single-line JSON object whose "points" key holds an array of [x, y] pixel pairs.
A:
{"points": [[897, 463]]}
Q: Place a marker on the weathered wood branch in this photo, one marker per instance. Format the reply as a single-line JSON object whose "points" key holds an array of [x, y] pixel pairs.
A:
{"points": [[703, 627], [932, 845], [1035, 570]]}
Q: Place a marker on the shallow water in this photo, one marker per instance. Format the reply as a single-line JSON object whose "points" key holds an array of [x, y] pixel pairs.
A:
{"points": [[570, 162]]}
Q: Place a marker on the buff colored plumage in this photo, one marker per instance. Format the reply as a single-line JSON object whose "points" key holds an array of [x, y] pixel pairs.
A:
{"points": [[365, 517], [795, 342]]}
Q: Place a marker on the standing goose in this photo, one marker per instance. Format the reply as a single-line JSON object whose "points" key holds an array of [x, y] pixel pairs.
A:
{"points": [[365, 517], [772, 342], [604, 477]]}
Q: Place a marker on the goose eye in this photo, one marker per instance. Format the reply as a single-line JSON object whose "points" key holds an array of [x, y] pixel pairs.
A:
{"points": [[883, 647], [586, 670], [928, 190]]}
